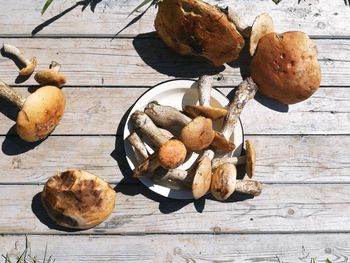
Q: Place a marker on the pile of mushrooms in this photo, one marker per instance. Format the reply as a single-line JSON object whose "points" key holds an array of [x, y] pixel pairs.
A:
{"points": [[197, 134], [42, 110]]}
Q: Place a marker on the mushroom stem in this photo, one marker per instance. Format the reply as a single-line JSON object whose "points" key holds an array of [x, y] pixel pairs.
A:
{"points": [[140, 149], [205, 84], [242, 27], [166, 116], [11, 95], [236, 160], [55, 66], [10, 49], [245, 92], [248, 187], [147, 127]]}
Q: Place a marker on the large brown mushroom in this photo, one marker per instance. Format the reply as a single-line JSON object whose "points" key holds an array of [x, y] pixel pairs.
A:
{"points": [[193, 27], [285, 67], [39, 113], [78, 199], [51, 76]]}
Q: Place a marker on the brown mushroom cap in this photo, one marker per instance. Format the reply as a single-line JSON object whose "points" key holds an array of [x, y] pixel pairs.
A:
{"points": [[262, 25], [220, 143], [198, 134], [50, 77], [27, 70], [223, 181], [202, 177], [285, 67], [250, 158], [40, 114], [213, 113], [172, 154], [78, 199], [193, 27]]}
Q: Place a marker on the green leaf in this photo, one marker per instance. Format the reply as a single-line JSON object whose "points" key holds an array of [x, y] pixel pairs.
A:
{"points": [[276, 1], [47, 4], [145, 2], [328, 261]]}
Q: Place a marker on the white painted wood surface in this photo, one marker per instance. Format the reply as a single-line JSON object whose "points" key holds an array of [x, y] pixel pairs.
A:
{"points": [[303, 157], [201, 248]]}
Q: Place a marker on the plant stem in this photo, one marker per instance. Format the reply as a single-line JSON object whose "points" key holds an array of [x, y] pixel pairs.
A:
{"points": [[11, 95]]}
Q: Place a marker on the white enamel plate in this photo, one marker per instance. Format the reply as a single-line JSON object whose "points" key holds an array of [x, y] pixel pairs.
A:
{"points": [[176, 93]]}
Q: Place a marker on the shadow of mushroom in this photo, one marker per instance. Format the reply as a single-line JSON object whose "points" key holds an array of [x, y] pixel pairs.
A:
{"points": [[40, 212], [84, 4], [14, 145], [164, 60]]}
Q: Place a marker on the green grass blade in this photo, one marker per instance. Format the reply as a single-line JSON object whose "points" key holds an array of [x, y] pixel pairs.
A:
{"points": [[47, 4], [145, 2]]}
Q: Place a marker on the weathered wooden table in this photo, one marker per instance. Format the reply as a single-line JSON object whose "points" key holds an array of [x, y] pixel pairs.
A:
{"points": [[303, 213]]}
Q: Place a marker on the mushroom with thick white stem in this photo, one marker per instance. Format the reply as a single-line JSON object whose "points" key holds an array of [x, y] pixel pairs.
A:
{"points": [[196, 134], [248, 159], [171, 152], [224, 176], [39, 113], [29, 64], [51, 76]]}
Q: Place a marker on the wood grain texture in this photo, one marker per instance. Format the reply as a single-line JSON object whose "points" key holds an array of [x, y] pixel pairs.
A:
{"points": [[147, 61], [101, 111], [280, 208], [280, 159], [317, 17], [186, 248]]}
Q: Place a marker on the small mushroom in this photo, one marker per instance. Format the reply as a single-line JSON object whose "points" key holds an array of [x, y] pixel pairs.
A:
{"points": [[205, 84], [29, 64], [171, 153], [196, 134], [78, 199], [249, 159], [51, 76], [39, 113]]}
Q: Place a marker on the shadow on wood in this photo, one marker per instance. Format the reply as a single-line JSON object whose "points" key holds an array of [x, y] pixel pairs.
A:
{"points": [[40, 212], [166, 61], [8, 109], [14, 145], [84, 4]]}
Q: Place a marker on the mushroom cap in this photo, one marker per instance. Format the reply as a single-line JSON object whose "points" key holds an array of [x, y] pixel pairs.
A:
{"points": [[40, 114], [78, 199], [172, 154], [27, 70], [250, 158], [220, 143], [262, 25], [50, 77], [285, 67], [193, 27], [202, 177], [213, 113], [223, 181], [198, 134]]}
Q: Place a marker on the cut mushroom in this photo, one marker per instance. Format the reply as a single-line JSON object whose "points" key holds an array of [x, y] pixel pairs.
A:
{"points": [[224, 176], [249, 159], [196, 134], [171, 153], [78, 199], [39, 113], [29, 64], [51, 76]]}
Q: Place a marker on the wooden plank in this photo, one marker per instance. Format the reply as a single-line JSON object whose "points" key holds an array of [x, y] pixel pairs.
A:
{"points": [[186, 248], [102, 111], [146, 62], [281, 208], [323, 18], [286, 159]]}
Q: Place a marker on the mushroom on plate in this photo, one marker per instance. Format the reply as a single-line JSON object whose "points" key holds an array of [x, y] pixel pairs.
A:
{"points": [[39, 113], [193, 27], [78, 199], [28, 64], [51, 76]]}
